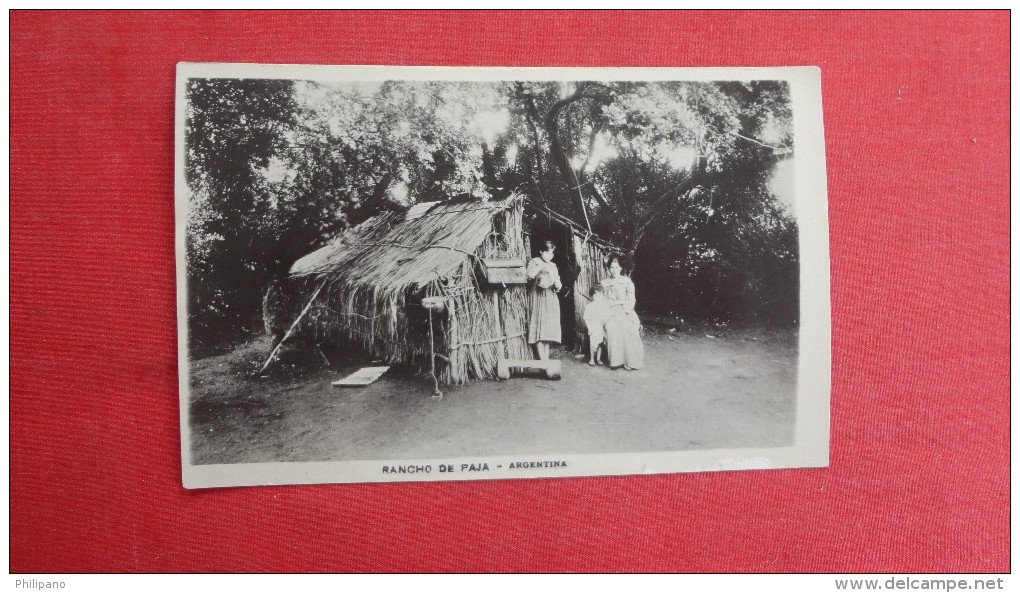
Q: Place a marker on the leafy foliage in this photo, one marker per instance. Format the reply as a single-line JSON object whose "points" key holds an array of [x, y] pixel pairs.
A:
{"points": [[234, 128], [677, 173]]}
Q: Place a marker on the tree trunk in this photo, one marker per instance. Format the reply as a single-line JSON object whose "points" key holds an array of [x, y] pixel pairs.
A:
{"points": [[630, 250], [558, 154], [488, 169]]}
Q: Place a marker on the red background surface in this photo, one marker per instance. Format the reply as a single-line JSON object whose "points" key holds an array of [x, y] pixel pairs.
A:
{"points": [[916, 125]]}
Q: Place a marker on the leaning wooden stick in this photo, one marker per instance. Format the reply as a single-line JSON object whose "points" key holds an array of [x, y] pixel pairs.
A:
{"points": [[291, 329]]}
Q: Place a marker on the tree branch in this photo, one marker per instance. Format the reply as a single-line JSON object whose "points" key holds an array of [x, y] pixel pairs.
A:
{"points": [[558, 154], [591, 146], [551, 124], [379, 191], [652, 212], [532, 116]]}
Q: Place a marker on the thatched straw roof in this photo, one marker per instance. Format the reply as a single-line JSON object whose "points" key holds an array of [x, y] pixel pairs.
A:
{"points": [[391, 251]]}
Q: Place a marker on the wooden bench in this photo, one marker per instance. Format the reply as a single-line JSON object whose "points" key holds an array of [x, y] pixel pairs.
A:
{"points": [[552, 368]]}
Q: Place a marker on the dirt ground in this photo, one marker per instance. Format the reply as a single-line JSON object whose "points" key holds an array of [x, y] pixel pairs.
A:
{"points": [[702, 388]]}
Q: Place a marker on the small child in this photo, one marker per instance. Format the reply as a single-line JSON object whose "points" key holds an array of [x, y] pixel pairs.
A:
{"points": [[595, 320]]}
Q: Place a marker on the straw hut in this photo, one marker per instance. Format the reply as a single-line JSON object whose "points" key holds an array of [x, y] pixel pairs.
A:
{"points": [[366, 288]]}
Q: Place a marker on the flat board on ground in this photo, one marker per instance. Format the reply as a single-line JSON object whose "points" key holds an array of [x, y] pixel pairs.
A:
{"points": [[362, 377]]}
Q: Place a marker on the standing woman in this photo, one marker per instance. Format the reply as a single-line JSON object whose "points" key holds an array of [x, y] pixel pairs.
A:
{"points": [[623, 338], [544, 324]]}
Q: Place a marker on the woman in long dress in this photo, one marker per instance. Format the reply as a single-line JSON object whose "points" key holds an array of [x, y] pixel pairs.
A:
{"points": [[622, 329], [544, 324]]}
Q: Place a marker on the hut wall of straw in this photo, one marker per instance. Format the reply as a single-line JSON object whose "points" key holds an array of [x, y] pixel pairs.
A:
{"points": [[485, 322], [374, 277]]}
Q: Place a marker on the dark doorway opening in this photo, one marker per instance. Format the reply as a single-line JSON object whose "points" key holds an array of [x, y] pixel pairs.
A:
{"points": [[541, 228]]}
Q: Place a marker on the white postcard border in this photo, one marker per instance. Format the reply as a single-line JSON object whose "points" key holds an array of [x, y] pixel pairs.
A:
{"points": [[811, 443]]}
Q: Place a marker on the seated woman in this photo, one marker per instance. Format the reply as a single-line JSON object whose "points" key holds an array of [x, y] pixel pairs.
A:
{"points": [[622, 327]]}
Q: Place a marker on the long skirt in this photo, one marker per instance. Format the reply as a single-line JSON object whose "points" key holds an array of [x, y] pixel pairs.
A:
{"points": [[544, 324], [623, 340]]}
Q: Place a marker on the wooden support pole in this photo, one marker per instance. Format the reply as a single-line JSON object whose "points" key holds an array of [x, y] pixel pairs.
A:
{"points": [[291, 329]]}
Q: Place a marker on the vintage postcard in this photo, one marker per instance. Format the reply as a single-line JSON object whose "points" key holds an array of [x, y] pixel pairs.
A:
{"points": [[396, 273]]}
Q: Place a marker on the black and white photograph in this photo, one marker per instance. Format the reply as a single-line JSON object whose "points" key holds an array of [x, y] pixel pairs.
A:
{"points": [[406, 274]]}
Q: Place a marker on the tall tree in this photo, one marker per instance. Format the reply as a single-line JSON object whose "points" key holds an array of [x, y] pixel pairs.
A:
{"points": [[686, 163], [277, 168], [233, 129], [627, 151]]}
